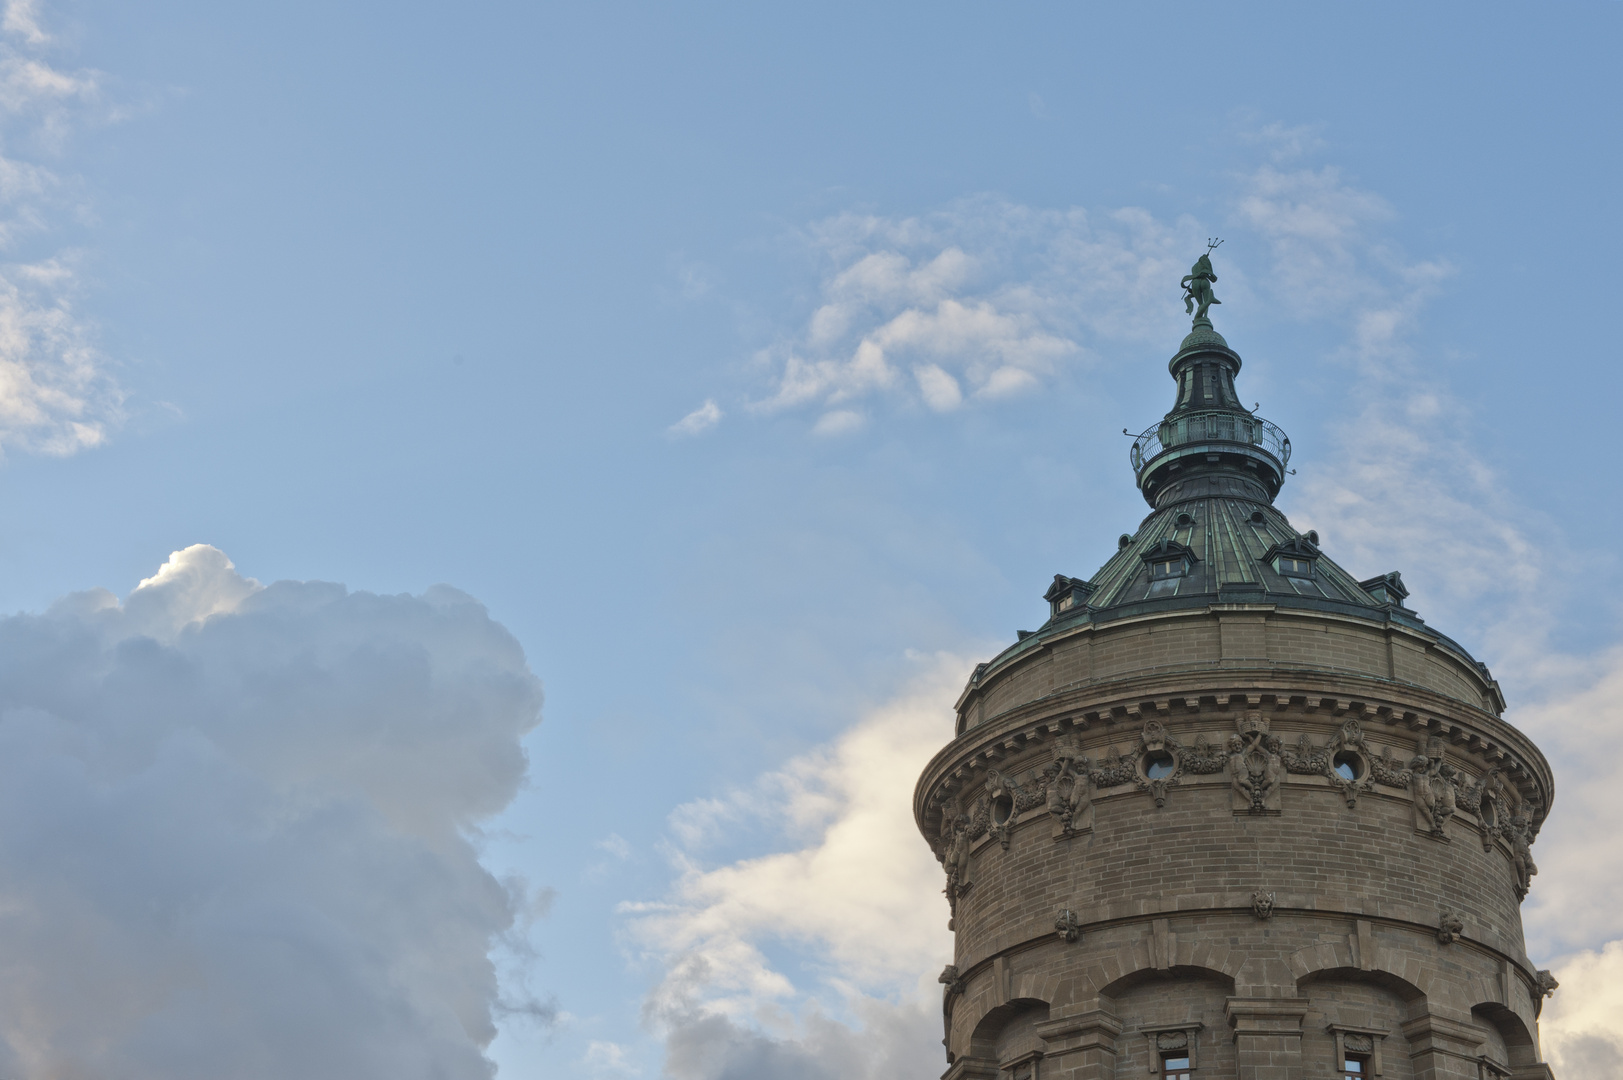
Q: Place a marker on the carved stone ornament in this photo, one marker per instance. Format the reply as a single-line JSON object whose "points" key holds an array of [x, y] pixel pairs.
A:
{"points": [[1350, 740], [1546, 983], [1357, 1043], [1006, 798], [1449, 927], [1431, 780], [1155, 740], [1067, 926], [1114, 770], [1171, 1040], [1262, 904], [1484, 798], [1519, 836], [956, 838], [1256, 768], [952, 985], [1069, 790]]}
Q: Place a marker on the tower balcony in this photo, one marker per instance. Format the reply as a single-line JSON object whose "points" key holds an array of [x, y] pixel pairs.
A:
{"points": [[1198, 440]]}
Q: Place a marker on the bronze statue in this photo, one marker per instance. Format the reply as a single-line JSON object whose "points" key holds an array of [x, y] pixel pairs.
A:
{"points": [[1197, 284]]}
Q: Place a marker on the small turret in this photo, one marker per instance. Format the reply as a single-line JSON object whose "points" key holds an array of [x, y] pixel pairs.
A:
{"points": [[1208, 443]]}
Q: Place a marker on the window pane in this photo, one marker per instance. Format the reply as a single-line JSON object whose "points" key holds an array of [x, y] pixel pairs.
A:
{"points": [[1178, 1063]]}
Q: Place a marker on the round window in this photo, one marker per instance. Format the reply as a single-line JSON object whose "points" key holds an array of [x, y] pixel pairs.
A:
{"points": [[1158, 764], [1489, 818], [1002, 809], [1348, 765]]}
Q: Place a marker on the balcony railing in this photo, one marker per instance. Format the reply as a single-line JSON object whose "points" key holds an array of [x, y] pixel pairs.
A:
{"points": [[1208, 427]]}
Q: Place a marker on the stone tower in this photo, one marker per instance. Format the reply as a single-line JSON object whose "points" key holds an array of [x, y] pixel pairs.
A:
{"points": [[1232, 812]]}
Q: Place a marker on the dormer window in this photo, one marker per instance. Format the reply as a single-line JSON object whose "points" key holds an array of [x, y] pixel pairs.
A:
{"points": [[1169, 568], [1291, 566], [1386, 589], [1066, 594], [1167, 564], [1295, 560]]}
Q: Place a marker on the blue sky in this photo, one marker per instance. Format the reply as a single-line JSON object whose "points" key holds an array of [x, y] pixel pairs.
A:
{"points": [[399, 295]]}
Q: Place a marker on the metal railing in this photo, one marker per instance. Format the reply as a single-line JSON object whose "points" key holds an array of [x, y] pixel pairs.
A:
{"points": [[1206, 427]]}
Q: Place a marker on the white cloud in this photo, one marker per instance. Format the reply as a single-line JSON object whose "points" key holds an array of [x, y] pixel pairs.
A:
{"points": [[861, 893], [838, 422], [235, 830], [700, 420], [609, 1059], [21, 19], [1582, 1025], [980, 301], [939, 389], [57, 393]]}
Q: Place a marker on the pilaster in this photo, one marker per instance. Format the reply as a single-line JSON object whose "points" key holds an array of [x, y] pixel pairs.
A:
{"points": [[1267, 1036]]}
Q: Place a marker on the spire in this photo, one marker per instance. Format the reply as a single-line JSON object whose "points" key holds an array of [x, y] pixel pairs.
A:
{"points": [[1208, 444]]}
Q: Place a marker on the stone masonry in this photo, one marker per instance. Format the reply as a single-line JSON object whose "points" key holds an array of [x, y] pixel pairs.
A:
{"points": [[1258, 823]]}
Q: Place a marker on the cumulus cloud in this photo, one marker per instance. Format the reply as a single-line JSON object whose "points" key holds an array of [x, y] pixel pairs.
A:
{"points": [[1582, 1038], [857, 893], [237, 829]]}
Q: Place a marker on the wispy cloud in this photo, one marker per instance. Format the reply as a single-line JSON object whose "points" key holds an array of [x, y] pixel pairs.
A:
{"points": [[57, 393], [984, 300], [698, 421]]}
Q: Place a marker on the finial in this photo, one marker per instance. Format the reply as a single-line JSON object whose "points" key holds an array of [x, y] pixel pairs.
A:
{"points": [[1197, 284]]}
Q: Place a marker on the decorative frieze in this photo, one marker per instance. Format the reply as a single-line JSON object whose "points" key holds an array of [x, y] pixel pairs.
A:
{"points": [[1258, 765]]}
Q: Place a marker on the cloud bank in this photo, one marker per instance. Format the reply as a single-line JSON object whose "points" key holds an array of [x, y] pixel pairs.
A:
{"points": [[857, 889], [236, 829]]}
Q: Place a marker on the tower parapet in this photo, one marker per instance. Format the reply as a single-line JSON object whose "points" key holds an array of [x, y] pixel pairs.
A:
{"points": [[1232, 811]]}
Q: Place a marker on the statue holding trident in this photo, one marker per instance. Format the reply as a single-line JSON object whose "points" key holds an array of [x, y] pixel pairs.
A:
{"points": [[1197, 284]]}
